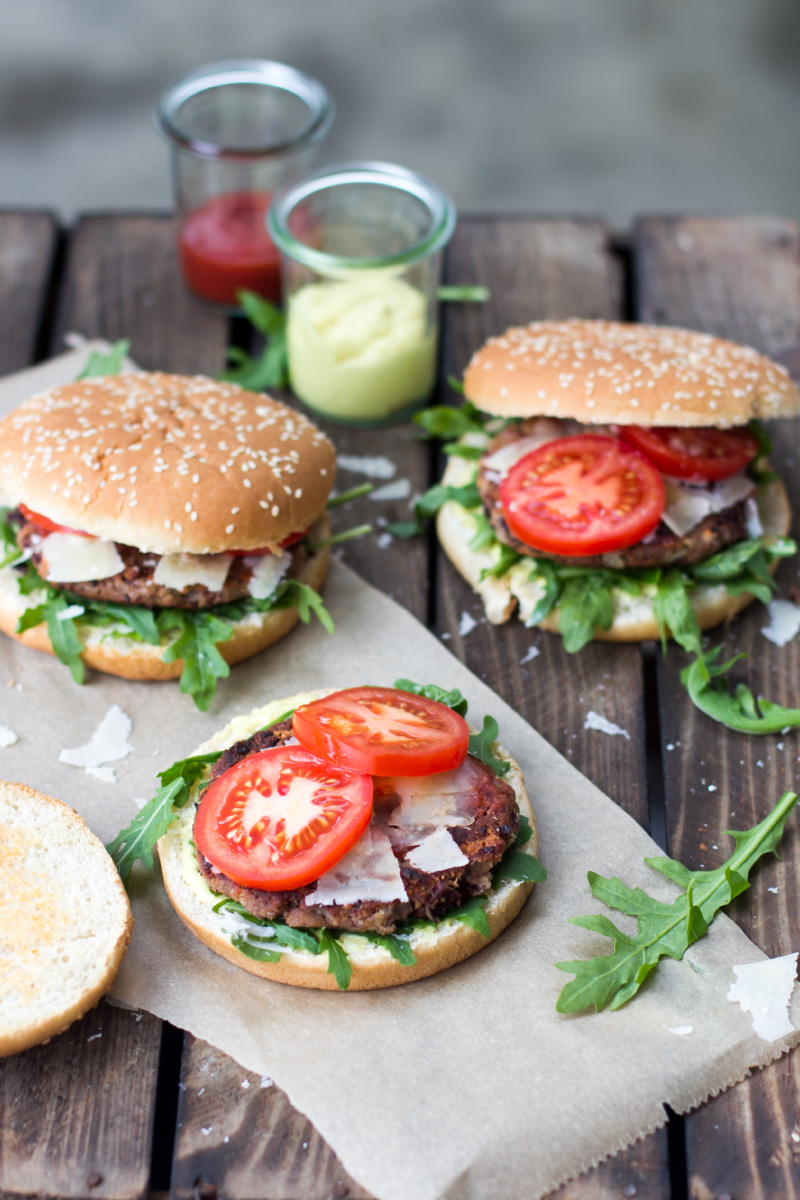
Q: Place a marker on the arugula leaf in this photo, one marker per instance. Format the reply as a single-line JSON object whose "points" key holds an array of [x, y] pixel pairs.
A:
{"points": [[64, 636], [759, 432], [473, 913], [399, 948], [516, 865], [480, 746], [547, 573], [255, 947], [506, 559], [461, 450], [584, 605], [672, 608], [429, 503], [338, 963], [141, 621], [110, 363], [9, 550], [455, 384], [154, 818], [270, 369], [345, 535], [484, 534], [453, 699], [662, 929], [473, 293], [447, 422], [361, 489], [286, 935], [199, 633], [740, 711], [291, 593]]}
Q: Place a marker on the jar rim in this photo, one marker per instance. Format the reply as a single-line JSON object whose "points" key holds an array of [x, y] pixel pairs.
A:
{"points": [[231, 72], [441, 208]]}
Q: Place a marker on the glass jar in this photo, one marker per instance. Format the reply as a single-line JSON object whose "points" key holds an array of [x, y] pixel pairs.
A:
{"points": [[239, 131], [361, 246]]}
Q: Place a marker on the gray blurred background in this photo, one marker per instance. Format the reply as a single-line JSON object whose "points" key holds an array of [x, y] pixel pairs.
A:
{"points": [[605, 107]]}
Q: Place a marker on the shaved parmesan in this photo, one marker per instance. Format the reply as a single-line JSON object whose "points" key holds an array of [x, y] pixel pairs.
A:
{"points": [[426, 803], [753, 519], [267, 572], [72, 558], [437, 852], [179, 571], [764, 990], [7, 736], [603, 725], [784, 622], [374, 466], [109, 742], [688, 505], [369, 871], [546, 429]]}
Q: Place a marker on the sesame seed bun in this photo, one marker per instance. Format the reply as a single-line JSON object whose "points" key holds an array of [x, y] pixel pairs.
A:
{"points": [[65, 920], [450, 942], [602, 372], [167, 463], [132, 659]]}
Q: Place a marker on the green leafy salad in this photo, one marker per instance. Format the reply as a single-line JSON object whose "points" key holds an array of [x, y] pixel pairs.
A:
{"points": [[265, 940], [587, 598]]}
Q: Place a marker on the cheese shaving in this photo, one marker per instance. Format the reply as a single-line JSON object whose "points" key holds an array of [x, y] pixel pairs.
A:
{"points": [[267, 572], [603, 725], [72, 558], [426, 803], [109, 742], [687, 504], [180, 571], [784, 622], [764, 990], [7, 736], [369, 871], [439, 851]]}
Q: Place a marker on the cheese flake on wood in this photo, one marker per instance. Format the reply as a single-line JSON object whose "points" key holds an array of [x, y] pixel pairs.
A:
{"points": [[72, 558], [369, 871], [180, 571], [439, 851], [267, 572], [784, 622]]}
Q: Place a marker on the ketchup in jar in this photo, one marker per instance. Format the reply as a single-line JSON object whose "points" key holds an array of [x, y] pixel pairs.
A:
{"points": [[224, 246]]}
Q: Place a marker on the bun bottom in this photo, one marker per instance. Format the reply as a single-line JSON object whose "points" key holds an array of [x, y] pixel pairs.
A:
{"points": [[450, 942], [141, 661], [634, 620], [53, 866]]}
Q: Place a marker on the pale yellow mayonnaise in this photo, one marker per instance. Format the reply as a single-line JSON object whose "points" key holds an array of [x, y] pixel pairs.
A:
{"points": [[360, 350]]}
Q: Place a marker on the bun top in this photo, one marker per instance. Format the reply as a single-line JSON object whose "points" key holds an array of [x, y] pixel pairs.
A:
{"points": [[602, 372], [167, 463]]}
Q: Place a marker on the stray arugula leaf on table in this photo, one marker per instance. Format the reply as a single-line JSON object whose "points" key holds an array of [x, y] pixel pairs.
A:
{"points": [[106, 362], [611, 980], [270, 369]]}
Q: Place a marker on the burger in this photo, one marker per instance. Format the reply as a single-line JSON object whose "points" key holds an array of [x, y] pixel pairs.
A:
{"points": [[611, 479], [346, 839], [160, 525]]}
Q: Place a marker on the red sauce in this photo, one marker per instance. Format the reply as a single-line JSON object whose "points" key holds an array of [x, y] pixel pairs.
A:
{"points": [[224, 246]]}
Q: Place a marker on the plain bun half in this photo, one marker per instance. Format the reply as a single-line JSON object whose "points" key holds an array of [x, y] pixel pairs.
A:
{"points": [[65, 920], [450, 942], [609, 372]]}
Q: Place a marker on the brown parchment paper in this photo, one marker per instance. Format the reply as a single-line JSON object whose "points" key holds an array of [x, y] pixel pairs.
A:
{"points": [[465, 1085]]}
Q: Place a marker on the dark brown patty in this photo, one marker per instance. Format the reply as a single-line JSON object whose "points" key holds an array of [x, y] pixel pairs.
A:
{"points": [[134, 584], [430, 895], [663, 548]]}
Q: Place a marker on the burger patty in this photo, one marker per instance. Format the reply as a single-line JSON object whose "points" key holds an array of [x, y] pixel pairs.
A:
{"points": [[663, 547], [134, 584], [431, 895]]}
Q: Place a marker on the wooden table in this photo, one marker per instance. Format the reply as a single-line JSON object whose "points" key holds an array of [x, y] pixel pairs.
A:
{"points": [[117, 1116]]}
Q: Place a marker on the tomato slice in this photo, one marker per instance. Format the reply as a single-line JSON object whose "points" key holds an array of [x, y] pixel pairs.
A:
{"points": [[46, 524], [582, 495], [285, 544], [383, 731], [280, 818], [699, 454]]}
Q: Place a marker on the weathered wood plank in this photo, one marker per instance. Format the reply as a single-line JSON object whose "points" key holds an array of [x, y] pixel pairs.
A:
{"points": [[740, 278], [122, 280], [77, 1112], [538, 269], [27, 249], [238, 1134]]}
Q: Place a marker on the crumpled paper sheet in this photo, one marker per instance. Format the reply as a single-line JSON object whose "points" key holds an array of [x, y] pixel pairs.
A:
{"points": [[466, 1085]]}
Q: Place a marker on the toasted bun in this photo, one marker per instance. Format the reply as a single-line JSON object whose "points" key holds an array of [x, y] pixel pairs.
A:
{"points": [[139, 660], [65, 921], [167, 463], [602, 372], [634, 620], [373, 967]]}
